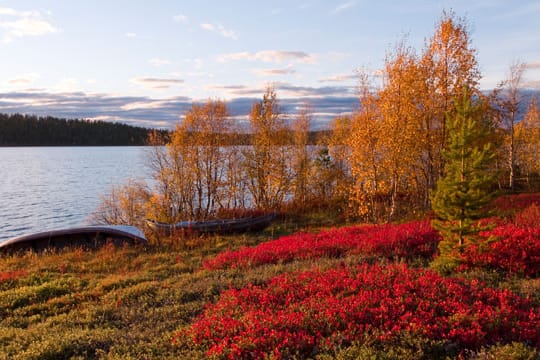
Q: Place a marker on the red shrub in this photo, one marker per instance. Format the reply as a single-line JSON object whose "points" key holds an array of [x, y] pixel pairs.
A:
{"points": [[304, 313], [404, 241], [515, 249]]}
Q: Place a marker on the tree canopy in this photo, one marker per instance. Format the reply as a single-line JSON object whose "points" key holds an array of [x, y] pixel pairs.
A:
{"points": [[29, 130]]}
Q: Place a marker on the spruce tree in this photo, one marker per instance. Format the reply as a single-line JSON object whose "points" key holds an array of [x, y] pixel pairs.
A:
{"points": [[463, 192]]}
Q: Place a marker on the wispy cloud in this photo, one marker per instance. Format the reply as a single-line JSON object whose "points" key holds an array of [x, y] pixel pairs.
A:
{"points": [[134, 110], [227, 33], [131, 34], [181, 18], [164, 113], [277, 56], [339, 78], [533, 65], [159, 62], [532, 84], [157, 83], [25, 79], [288, 90], [207, 26], [272, 72], [16, 24], [344, 6], [238, 90], [309, 91], [8, 11]]}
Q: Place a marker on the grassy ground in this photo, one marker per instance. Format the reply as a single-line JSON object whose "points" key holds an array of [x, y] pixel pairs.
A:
{"points": [[117, 302], [126, 303]]}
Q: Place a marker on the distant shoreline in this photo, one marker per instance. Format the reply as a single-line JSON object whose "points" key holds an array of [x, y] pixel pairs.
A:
{"points": [[18, 130], [74, 146]]}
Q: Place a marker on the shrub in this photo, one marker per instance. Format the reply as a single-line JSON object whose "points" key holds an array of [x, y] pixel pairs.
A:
{"points": [[513, 249], [414, 239], [302, 314]]}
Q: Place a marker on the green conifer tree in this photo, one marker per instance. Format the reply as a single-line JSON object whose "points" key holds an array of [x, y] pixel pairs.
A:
{"points": [[463, 192]]}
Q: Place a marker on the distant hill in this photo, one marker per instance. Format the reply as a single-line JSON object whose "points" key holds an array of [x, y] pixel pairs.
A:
{"points": [[28, 130]]}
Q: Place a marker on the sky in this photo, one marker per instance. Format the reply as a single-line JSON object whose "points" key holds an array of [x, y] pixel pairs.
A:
{"points": [[145, 62]]}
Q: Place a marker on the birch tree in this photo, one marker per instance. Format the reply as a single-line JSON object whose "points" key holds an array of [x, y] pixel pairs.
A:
{"points": [[528, 142], [301, 157], [265, 163], [511, 103], [450, 62]]}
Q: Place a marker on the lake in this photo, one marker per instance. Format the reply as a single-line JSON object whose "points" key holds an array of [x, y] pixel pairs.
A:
{"points": [[44, 188]]}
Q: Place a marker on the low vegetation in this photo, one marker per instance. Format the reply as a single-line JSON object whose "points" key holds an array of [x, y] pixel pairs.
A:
{"points": [[321, 312], [359, 291]]}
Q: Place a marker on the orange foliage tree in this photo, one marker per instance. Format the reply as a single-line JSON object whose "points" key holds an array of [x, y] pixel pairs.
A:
{"points": [[400, 132], [267, 174], [528, 142]]}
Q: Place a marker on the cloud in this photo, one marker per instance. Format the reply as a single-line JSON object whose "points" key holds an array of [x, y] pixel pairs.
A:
{"points": [[309, 91], [19, 81], [144, 105], [159, 62], [339, 78], [326, 102], [131, 35], [157, 83], [286, 90], [273, 72], [227, 33], [181, 18], [277, 56], [532, 84], [344, 6], [133, 110], [238, 90], [209, 27], [533, 65], [16, 24], [25, 79], [8, 11]]}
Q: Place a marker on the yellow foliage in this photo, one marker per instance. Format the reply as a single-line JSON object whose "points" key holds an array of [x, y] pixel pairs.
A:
{"points": [[528, 140]]}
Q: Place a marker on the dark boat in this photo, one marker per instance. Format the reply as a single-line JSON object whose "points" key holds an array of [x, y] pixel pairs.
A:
{"points": [[86, 237], [222, 226]]}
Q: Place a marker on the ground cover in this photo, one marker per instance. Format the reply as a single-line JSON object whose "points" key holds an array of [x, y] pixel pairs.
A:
{"points": [[351, 292]]}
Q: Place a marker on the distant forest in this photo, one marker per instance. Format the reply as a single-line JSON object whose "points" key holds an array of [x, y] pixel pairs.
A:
{"points": [[29, 130]]}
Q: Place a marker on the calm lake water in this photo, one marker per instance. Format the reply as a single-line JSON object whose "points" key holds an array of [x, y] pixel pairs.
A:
{"points": [[43, 188]]}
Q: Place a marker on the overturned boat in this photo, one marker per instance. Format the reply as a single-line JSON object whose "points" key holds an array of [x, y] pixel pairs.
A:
{"points": [[85, 237], [220, 226]]}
